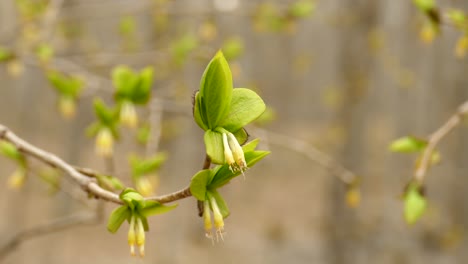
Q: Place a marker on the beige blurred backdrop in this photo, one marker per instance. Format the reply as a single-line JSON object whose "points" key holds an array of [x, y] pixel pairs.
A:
{"points": [[348, 80]]}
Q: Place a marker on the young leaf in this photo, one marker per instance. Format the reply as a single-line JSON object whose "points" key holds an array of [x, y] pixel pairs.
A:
{"points": [[424, 5], [132, 198], [199, 183], [146, 166], [141, 93], [408, 144], [199, 112], [220, 201], [223, 175], [246, 106], [216, 90], [124, 79], [214, 146], [302, 8], [415, 204], [233, 48], [152, 208], [109, 183], [106, 115], [9, 150], [5, 54], [117, 217]]}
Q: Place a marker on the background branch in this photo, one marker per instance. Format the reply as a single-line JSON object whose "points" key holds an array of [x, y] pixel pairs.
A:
{"points": [[312, 153], [435, 138], [47, 228]]}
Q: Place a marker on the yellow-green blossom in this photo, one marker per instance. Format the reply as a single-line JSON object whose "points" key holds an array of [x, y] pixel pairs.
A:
{"points": [[104, 142]]}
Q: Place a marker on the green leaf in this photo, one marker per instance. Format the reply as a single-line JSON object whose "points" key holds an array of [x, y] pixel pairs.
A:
{"points": [[220, 201], [106, 115], [182, 47], [415, 204], [214, 146], [224, 174], [408, 144], [144, 221], [233, 48], [425, 5], [9, 150], [141, 93], [199, 112], [199, 183], [457, 16], [64, 84], [251, 146], [246, 106], [148, 165], [241, 135], [127, 26], [5, 54], [117, 217], [132, 198], [302, 8], [44, 52], [143, 134], [109, 183], [132, 86], [216, 90], [152, 208], [124, 79]]}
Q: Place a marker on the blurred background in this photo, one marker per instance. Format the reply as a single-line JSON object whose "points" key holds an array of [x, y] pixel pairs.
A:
{"points": [[343, 77]]}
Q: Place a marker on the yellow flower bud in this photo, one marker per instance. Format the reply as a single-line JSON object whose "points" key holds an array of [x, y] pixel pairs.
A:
{"points": [[207, 220], [67, 107], [218, 219], [238, 153], [104, 142], [17, 179], [140, 236], [228, 154], [132, 236], [128, 115]]}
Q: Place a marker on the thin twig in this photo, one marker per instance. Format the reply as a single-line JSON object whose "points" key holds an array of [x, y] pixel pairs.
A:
{"points": [[45, 229], [155, 123], [88, 184], [206, 165], [50, 18], [300, 146], [435, 138]]}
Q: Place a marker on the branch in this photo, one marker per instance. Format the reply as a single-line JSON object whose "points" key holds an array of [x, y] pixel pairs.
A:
{"points": [[436, 137], [303, 147], [48, 228], [79, 175]]}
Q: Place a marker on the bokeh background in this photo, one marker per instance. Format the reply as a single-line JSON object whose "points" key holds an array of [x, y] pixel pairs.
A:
{"points": [[347, 78]]}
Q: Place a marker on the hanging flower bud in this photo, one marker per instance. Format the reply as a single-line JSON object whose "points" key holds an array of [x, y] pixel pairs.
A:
{"points": [[140, 236], [146, 184], [207, 220], [67, 106], [238, 153], [132, 236], [228, 154], [128, 115], [104, 142], [17, 179], [218, 219]]}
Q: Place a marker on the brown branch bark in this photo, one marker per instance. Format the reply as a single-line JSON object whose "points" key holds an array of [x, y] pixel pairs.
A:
{"points": [[435, 138], [83, 177], [47, 228], [303, 147]]}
